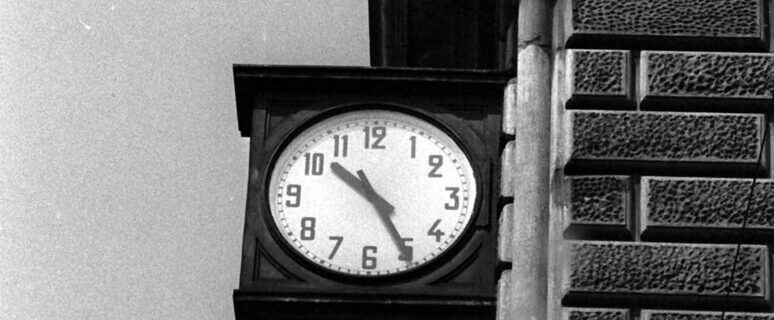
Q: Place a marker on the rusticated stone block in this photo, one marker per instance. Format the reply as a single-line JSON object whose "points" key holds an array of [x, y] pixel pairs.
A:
{"points": [[702, 315], [730, 25], [707, 81], [507, 170], [504, 307], [598, 79], [505, 225], [594, 314], [632, 274], [698, 208], [599, 207], [663, 143]]}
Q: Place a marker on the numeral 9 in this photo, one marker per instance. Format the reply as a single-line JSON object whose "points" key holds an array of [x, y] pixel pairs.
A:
{"points": [[293, 190]]}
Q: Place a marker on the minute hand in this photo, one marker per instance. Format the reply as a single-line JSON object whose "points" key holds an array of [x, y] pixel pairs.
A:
{"points": [[385, 209]]}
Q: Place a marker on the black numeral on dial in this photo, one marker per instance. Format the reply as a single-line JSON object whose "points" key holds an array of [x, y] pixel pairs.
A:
{"points": [[314, 163], [413, 140], [293, 190], [336, 246], [408, 251], [307, 228], [434, 232], [455, 199], [378, 134], [340, 144], [369, 262], [436, 162]]}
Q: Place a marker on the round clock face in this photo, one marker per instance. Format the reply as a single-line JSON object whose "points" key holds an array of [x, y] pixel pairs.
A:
{"points": [[372, 193]]}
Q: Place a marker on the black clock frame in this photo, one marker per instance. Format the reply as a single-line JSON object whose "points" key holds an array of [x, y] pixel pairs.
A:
{"points": [[275, 104]]}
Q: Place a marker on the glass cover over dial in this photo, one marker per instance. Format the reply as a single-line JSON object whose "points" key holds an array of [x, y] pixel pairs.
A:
{"points": [[372, 193]]}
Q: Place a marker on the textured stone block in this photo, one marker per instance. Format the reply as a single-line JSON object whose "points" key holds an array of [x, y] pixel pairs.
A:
{"points": [[594, 314], [504, 307], [507, 170], [662, 143], [730, 25], [702, 315], [631, 274], [599, 207], [598, 79], [707, 81], [710, 209], [505, 226], [509, 107]]}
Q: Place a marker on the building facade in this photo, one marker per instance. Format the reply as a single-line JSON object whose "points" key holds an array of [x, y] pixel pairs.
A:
{"points": [[640, 165]]}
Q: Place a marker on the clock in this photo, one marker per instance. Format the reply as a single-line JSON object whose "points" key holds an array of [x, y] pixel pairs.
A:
{"points": [[372, 193]]}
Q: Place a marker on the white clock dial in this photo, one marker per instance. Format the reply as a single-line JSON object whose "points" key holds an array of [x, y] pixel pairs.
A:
{"points": [[372, 193]]}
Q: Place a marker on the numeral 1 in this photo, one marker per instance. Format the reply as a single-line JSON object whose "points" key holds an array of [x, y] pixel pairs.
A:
{"points": [[413, 146]]}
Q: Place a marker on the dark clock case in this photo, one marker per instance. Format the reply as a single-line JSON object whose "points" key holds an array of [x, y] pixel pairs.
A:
{"points": [[275, 103]]}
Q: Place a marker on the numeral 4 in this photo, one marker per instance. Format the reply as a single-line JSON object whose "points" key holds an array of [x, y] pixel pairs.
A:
{"points": [[433, 232]]}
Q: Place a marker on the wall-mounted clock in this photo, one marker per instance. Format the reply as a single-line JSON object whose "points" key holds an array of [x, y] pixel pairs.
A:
{"points": [[372, 192]]}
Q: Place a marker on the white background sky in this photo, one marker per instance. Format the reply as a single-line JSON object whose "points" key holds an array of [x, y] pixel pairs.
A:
{"points": [[122, 173]]}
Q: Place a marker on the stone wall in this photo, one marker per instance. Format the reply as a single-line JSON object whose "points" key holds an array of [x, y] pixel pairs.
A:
{"points": [[660, 123]]}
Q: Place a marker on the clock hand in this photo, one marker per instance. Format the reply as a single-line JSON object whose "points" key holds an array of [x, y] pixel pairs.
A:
{"points": [[364, 189], [385, 209], [349, 178]]}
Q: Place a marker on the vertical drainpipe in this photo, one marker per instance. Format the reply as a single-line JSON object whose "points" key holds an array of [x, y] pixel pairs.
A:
{"points": [[530, 119]]}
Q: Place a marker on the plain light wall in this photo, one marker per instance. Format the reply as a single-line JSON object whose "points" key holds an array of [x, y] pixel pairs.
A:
{"points": [[123, 176]]}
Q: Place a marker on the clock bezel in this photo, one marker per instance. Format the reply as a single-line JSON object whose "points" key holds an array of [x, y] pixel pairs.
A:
{"points": [[303, 122]]}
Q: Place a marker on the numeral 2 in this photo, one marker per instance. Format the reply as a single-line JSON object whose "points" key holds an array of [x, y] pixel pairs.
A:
{"points": [[436, 162]]}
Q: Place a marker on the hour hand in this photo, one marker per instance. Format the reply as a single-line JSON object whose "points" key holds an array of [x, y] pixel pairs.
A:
{"points": [[349, 178], [384, 207], [363, 187]]}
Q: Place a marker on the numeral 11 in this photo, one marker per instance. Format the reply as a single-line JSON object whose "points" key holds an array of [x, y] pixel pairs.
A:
{"points": [[340, 143]]}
